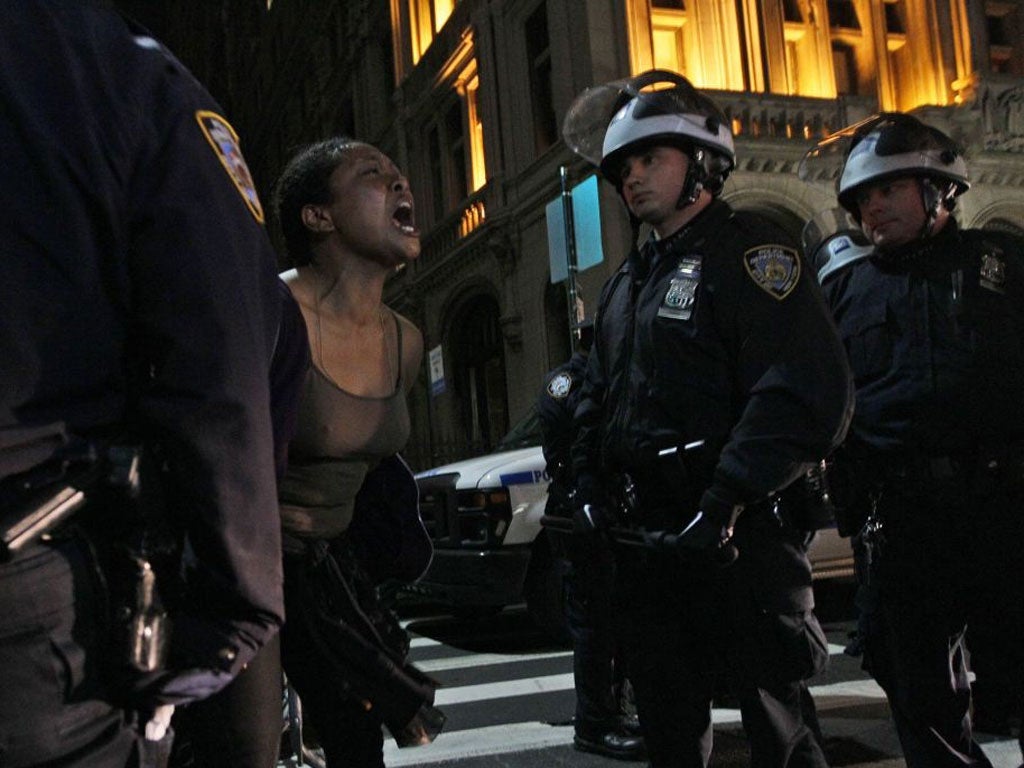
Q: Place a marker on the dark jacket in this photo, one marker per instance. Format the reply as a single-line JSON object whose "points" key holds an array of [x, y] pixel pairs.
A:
{"points": [[139, 292], [555, 406], [717, 333], [935, 336]]}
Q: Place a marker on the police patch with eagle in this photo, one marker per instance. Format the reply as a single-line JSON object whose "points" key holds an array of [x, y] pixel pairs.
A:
{"points": [[775, 269]]}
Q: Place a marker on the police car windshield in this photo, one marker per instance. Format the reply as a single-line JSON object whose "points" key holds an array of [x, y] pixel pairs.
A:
{"points": [[526, 433]]}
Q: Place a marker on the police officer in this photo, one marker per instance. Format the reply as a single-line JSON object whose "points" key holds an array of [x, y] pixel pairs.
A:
{"points": [[598, 670], [137, 304], [712, 333], [832, 241], [933, 321]]}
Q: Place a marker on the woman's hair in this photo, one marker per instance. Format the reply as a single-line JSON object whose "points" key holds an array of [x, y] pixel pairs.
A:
{"points": [[305, 180]]}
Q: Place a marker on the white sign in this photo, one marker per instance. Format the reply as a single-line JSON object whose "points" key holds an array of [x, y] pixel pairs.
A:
{"points": [[436, 361]]}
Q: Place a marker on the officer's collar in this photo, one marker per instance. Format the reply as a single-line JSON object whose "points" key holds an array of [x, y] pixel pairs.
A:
{"points": [[923, 250], [705, 222]]}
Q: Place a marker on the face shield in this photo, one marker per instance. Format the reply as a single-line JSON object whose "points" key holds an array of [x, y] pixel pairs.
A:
{"points": [[886, 146], [607, 120]]}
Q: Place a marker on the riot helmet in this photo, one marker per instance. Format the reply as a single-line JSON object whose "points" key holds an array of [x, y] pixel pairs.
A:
{"points": [[892, 145], [606, 123], [832, 240]]}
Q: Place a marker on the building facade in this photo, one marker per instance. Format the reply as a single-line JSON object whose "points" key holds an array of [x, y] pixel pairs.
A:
{"points": [[468, 96]]}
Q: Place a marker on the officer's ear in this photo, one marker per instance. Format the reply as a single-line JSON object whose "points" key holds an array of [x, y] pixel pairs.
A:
{"points": [[316, 218]]}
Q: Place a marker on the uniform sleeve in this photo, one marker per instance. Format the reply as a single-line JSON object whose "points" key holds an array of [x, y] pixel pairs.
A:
{"points": [[204, 313], [589, 417], [793, 381], [556, 427]]}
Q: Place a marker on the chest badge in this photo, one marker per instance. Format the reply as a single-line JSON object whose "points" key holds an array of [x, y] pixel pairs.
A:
{"points": [[560, 386], [681, 296], [775, 269], [993, 273]]}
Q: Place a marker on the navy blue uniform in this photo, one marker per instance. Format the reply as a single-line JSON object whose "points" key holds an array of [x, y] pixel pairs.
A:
{"points": [[589, 581], [138, 297], [556, 406], [935, 336], [716, 333]]}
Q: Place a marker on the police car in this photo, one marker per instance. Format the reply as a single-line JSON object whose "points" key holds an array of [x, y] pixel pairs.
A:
{"points": [[490, 550]]}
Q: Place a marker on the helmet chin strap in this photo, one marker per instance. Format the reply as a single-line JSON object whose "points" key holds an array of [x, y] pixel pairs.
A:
{"points": [[693, 183], [931, 198]]}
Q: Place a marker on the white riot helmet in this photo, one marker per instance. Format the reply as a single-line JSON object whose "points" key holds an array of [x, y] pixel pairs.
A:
{"points": [[833, 240], [608, 122], [892, 145]]}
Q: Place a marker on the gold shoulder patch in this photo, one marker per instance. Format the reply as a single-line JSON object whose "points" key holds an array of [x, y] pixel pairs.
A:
{"points": [[224, 140], [775, 269]]}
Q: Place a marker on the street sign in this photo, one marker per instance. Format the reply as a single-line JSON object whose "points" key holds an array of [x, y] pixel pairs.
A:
{"points": [[586, 217]]}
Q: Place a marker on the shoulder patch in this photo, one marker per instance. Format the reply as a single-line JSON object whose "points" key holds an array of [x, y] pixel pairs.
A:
{"points": [[775, 269], [224, 140], [560, 386]]}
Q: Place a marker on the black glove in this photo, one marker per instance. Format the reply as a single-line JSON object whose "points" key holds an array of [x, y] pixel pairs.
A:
{"points": [[710, 531], [591, 510], [592, 518], [705, 538], [702, 534]]}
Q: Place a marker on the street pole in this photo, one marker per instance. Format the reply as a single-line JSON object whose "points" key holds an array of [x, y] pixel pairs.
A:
{"points": [[570, 254]]}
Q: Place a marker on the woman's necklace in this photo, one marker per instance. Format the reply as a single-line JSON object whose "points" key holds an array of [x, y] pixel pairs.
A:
{"points": [[320, 342]]}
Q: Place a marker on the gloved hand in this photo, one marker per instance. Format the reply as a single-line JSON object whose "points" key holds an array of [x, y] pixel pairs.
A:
{"points": [[592, 512], [702, 534], [711, 529], [591, 519]]}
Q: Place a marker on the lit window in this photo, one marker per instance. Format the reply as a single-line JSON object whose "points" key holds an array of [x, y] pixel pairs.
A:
{"points": [[455, 135], [743, 45], [426, 18]]}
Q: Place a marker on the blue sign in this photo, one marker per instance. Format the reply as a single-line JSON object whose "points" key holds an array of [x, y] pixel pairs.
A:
{"points": [[586, 217]]}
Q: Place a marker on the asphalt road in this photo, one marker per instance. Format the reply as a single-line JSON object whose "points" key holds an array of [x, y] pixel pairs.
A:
{"points": [[508, 695]]}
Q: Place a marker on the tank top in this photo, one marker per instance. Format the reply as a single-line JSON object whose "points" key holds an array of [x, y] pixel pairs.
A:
{"points": [[340, 437]]}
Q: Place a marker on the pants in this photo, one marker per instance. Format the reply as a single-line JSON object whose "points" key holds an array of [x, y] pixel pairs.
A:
{"points": [[349, 734], [240, 727], [994, 581], [597, 664], [691, 631], [54, 706], [916, 638]]}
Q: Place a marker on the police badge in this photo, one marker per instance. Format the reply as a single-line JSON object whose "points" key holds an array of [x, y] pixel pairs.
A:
{"points": [[560, 386], [775, 269], [682, 290], [992, 274]]}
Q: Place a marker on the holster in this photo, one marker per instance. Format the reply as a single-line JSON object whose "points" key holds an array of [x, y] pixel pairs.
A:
{"points": [[807, 503], [92, 491]]}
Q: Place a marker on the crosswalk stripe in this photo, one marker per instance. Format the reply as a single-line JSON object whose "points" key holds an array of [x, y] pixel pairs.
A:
{"points": [[855, 689], [526, 686], [423, 642], [485, 659], [517, 737]]}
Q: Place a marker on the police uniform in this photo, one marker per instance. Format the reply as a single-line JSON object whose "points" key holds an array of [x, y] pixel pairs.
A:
{"points": [[935, 336], [555, 407], [138, 298], [716, 334], [598, 670]]}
